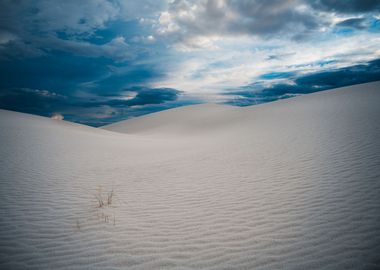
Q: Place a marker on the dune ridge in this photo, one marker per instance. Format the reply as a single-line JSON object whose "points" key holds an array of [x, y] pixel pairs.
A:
{"points": [[292, 184]]}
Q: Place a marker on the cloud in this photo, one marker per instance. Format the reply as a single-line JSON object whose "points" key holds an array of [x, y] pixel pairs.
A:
{"points": [[347, 6], [354, 23], [276, 75], [132, 102], [15, 48], [39, 27], [96, 110], [146, 40], [202, 24], [71, 16], [347, 76], [140, 96], [61, 72], [186, 21], [92, 54], [308, 83], [36, 23], [34, 101], [239, 63], [116, 49], [153, 96], [6, 37]]}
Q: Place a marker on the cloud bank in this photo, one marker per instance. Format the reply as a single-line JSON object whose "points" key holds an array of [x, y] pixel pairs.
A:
{"points": [[101, 61]]}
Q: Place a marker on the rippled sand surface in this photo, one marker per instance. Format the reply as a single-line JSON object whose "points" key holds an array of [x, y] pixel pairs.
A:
{"points": [[293, 184]]}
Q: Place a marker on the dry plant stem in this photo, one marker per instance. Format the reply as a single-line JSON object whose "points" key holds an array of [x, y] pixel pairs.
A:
{"points": [[109, 197], [101, 201]]}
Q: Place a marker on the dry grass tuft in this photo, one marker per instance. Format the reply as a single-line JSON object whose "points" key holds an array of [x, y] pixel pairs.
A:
{"points": [[104, 199]]}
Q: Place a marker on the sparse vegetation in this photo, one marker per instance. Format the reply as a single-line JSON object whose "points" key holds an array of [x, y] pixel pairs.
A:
{"points": [[99, 198], [109, 197], [104, 200], [109, 218]]}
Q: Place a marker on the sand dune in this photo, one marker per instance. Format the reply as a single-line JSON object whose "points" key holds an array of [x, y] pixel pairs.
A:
{"points": [[292, 184]]}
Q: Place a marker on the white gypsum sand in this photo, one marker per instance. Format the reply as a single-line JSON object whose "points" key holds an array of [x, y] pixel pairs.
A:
{"points": [[293, 184]]}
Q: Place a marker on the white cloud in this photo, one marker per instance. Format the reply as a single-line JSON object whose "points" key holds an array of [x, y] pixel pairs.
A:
{"points": [[144, 39], [235, 64], [186, 21]]}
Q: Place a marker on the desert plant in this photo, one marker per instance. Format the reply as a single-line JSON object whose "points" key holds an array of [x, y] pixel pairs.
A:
{"points": [[104, 200], [109, 197], [101, 201], [99, 198]]}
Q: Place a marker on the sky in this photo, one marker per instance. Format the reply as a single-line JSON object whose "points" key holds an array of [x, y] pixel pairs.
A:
{"points": [[96, 62]]}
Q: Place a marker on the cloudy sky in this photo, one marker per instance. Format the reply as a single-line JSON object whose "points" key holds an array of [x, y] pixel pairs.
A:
{"points": [[101, 61]]}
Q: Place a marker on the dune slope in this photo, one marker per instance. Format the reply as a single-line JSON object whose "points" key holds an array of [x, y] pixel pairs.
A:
{"points": [[292, 184]]}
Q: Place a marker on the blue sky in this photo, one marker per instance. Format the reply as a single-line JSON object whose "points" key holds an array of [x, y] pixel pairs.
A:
{"points": [[100, 61]]}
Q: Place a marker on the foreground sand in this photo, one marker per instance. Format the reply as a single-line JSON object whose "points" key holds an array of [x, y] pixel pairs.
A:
{"points": [[293, 184]]}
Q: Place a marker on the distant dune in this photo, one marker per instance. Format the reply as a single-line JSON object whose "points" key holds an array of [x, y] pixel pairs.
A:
{"points": [[293, 184]]}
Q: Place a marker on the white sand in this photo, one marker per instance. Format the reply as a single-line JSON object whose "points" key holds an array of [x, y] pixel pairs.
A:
{"points": [[293, 184]]}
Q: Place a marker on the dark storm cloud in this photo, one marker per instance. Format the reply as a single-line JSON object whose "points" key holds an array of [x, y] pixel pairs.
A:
{"points": [[146, 100], [355, 23], [153, 96], [35, 101], [79, 50], [126, 76], [254, 94], [83, 28], [347, 76], [60, 71], [45, 102], [347, 6], [143, 96]]}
